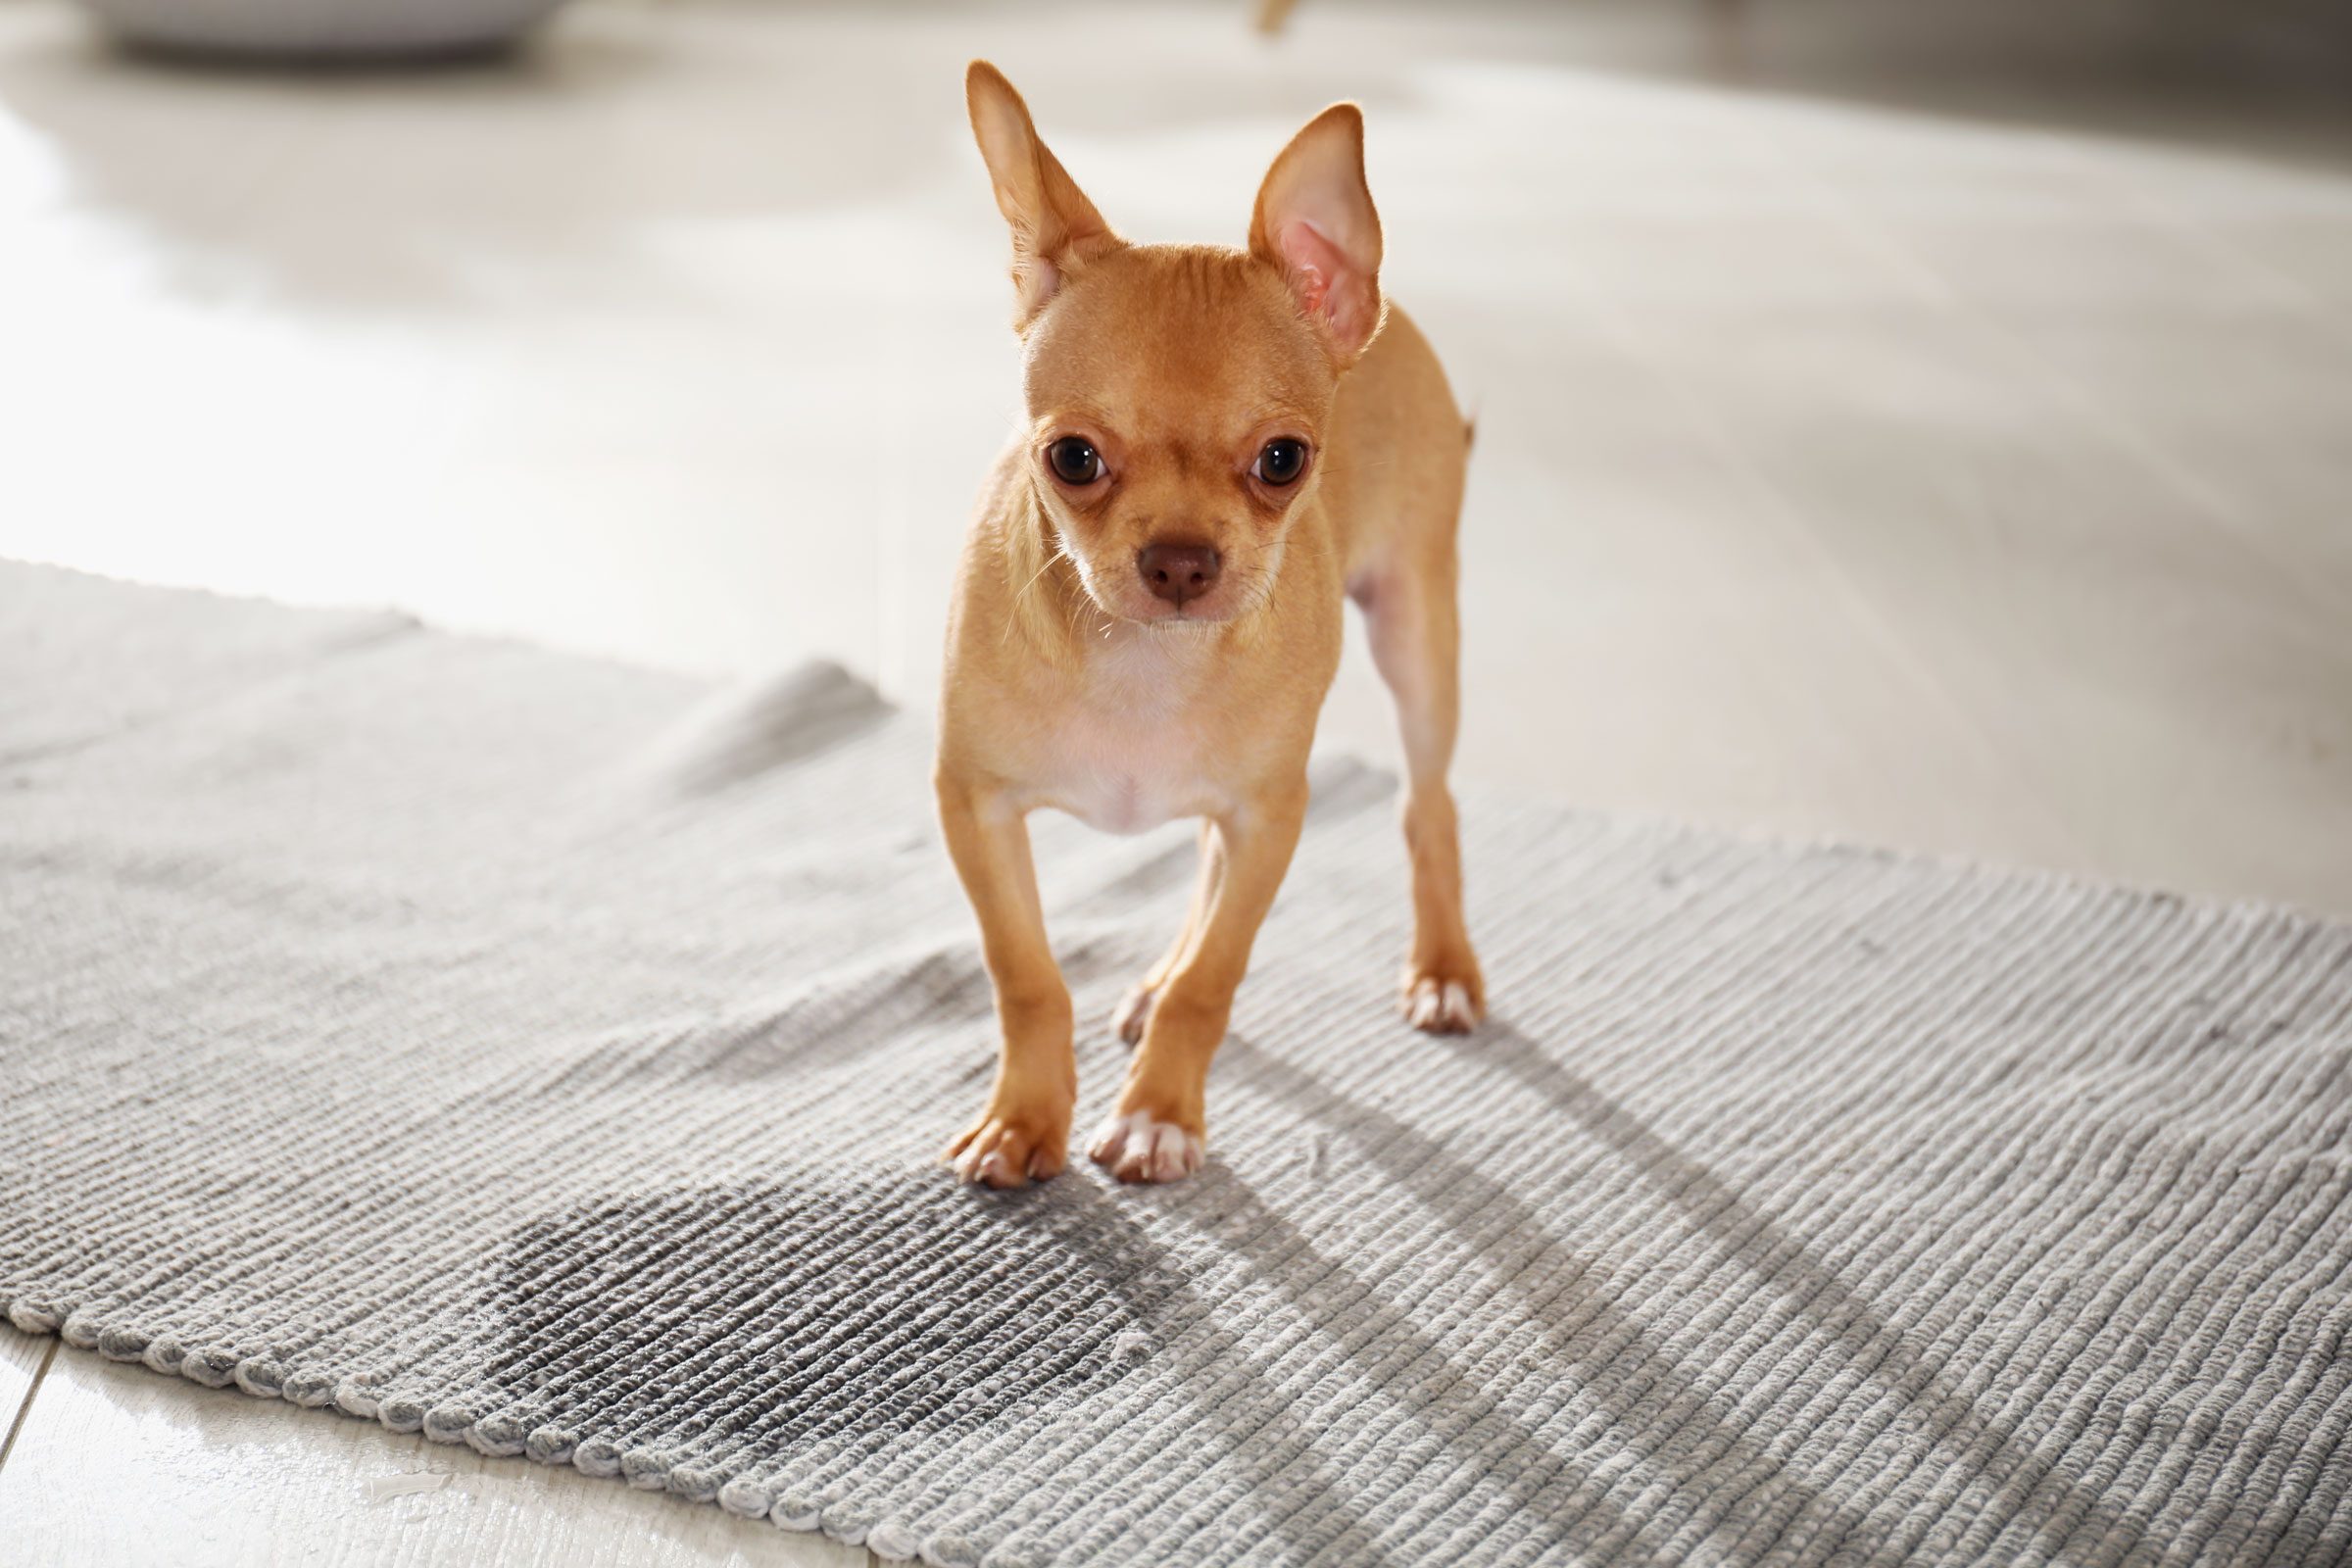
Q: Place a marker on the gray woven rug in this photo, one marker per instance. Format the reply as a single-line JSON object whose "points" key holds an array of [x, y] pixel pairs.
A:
{"points": [[416, 1027]]}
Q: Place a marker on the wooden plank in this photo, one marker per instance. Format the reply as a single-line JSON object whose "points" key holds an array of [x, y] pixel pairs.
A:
{"points": [[114, 1464]]}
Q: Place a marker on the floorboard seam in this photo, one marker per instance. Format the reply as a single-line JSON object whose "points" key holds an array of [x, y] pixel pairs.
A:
{"points": [[32, 1391]]}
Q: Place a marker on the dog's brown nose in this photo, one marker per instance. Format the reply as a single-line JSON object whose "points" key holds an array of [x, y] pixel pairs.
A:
{"points": [[1178, 572]]}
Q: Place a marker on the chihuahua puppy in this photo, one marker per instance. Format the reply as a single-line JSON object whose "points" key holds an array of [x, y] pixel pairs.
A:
{"points": [[1221, 446]]}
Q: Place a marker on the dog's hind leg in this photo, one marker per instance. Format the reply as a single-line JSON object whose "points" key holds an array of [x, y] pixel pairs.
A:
{"points": [[1135, 1008], [1415, 632]]}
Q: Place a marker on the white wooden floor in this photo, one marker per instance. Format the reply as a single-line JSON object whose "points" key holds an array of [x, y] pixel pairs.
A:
{"points": [[110, 1464], [1941, 442]]}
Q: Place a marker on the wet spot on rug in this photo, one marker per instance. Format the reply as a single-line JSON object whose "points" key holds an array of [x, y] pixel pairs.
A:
{"points": [[838, 1307]]}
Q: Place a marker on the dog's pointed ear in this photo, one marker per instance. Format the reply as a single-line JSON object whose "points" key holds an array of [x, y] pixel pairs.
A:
{"points": [[1055, 227], [1315, 221]]}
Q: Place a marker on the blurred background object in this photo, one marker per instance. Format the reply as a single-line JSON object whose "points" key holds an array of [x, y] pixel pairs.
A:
{"points": [[320, 30], [1921, 424]]}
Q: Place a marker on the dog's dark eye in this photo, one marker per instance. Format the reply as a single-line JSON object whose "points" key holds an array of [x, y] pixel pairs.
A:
{"points": [[1282, 462], [1075, 460]]}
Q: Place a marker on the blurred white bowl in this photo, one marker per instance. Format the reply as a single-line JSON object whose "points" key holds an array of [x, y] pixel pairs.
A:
{"points": [[320, 28]]}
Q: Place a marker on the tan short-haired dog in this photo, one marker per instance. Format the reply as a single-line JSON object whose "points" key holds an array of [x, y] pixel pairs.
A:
{"points": [[1221, 446]]}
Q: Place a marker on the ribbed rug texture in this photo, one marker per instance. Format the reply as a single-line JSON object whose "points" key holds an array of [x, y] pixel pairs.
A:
{"points": [[552, 1056]]}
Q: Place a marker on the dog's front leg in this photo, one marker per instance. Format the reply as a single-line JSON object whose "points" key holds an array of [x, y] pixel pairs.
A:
{"points": [[1158, 1132], [1024, 1132]]}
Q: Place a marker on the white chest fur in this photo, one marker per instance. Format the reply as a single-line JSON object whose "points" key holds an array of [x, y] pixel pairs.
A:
{"points": [[1124, 757]]}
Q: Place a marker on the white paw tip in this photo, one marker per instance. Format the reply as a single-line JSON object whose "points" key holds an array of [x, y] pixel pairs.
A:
{"points": [[1138, 1147], [1441, 1007], [990, 1168]]}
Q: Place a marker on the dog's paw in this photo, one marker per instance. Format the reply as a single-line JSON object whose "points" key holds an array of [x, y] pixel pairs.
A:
{"points": [[1138, 1147], [1135, 1011], [1011, 1151], [1442, 1001]]}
